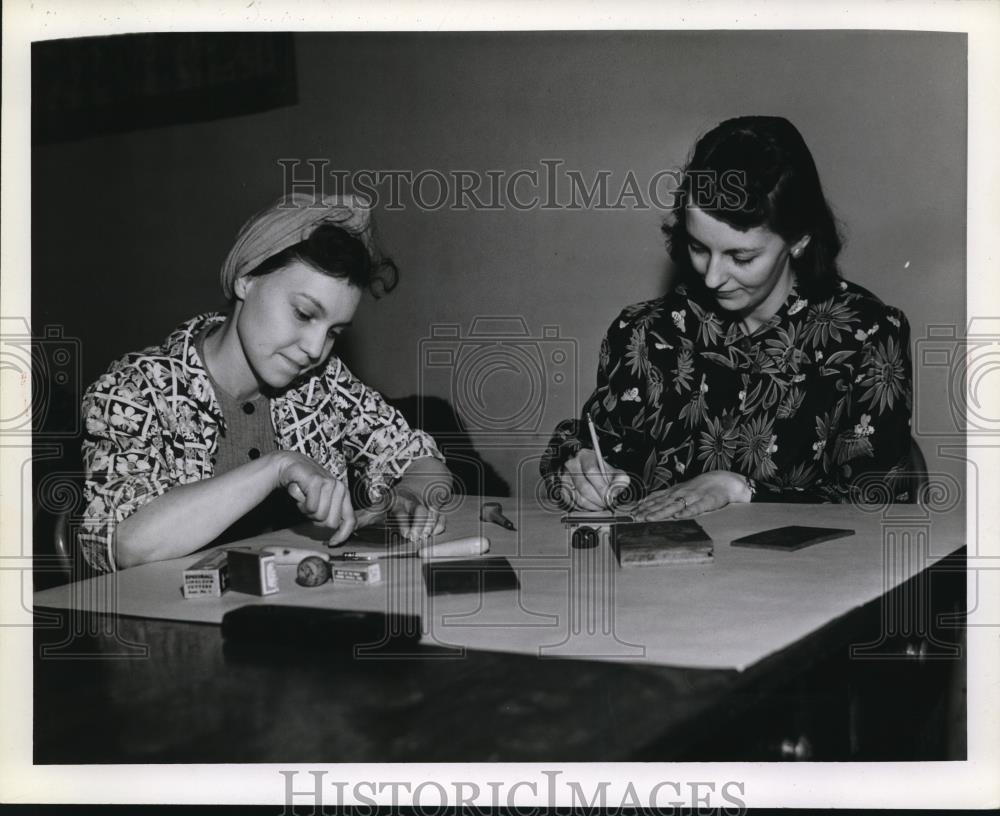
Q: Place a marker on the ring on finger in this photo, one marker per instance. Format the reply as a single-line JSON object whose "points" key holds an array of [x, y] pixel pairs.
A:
{"points": [[683, 501]]}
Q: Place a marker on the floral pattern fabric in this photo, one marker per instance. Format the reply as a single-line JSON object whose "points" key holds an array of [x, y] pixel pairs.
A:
{"points": [[812, 406], [153, 422]]}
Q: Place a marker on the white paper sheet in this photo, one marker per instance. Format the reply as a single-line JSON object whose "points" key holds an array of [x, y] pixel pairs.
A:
{"points": [[728, 614]]}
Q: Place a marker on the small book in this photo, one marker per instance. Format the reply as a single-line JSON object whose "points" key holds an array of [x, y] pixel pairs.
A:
{"points": [[790, 538], [472, 575], [648, 543]]}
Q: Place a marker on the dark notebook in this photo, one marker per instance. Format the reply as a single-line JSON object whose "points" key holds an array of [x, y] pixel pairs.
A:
{"points": [[647, 543], [473, 575], [792, 537]]}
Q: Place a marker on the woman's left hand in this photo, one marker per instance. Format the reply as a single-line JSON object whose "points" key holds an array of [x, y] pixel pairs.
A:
{"points": [[406, 514], [415, 520], [412, 507], [703, 493]]}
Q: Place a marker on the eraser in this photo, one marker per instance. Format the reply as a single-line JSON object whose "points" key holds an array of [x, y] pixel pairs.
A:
{"points": [[207, 577], [359, 572], [252, 572]]}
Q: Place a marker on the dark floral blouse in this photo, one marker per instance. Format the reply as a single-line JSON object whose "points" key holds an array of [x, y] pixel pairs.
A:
{"points": [[814, 406]]}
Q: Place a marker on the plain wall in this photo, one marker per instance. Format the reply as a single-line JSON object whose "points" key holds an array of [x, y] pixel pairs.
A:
{"points": [[130, 230]]}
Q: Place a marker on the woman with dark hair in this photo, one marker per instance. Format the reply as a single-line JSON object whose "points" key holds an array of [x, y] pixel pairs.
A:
{"points": [[243, 421], [763, 375]]}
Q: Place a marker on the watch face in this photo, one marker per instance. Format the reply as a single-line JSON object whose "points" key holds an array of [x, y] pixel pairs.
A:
{"points": [[312, 571]]}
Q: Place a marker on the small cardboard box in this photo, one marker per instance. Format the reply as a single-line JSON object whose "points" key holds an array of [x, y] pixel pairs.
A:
{"points": [[253, 572], [364, 572], [207, 577]]}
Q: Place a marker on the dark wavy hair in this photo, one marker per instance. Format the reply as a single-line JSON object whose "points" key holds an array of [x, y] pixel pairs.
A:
{"points": [[755, 171], [335, 252]]}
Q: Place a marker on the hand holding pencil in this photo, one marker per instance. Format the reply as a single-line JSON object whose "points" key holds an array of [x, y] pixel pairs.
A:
{"points": [[587, 481]]}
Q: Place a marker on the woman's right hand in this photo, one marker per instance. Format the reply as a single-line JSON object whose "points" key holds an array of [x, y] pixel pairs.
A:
{"points": [[583, 487], [320, 495]]}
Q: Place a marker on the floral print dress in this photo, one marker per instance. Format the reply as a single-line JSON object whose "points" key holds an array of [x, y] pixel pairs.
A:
{"points": [[813, 406], [153, 421]]}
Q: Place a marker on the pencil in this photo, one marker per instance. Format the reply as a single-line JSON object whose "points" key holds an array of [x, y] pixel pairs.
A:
{"points": [[597, 448]]}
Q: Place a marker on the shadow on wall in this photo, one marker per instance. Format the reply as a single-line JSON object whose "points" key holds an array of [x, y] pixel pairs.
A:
{"points": [[472, 475]]}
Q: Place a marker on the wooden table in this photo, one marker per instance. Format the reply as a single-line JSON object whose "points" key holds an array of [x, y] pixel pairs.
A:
{"points": [[843, 644]]}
